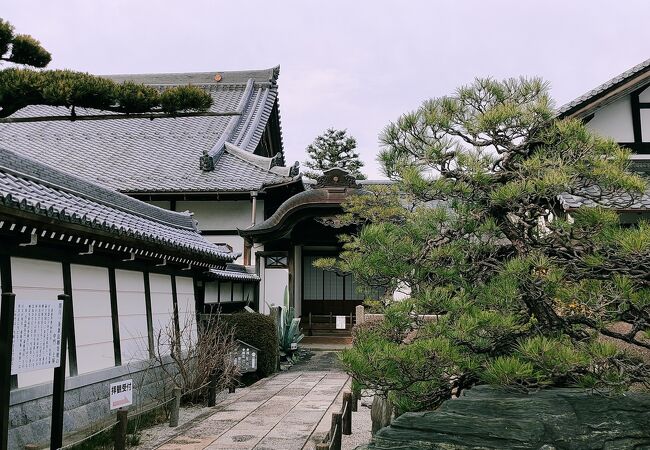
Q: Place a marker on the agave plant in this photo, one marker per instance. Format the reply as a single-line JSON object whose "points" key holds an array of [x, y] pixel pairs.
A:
{"points": [[289, 334]]}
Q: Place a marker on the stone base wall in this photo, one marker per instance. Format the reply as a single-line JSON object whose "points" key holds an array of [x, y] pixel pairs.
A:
{"points": [[86, 402]]}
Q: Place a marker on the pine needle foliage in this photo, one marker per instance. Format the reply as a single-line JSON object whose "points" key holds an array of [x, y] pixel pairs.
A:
{"points": [[21, 87], [527, 295], [333, 148]]}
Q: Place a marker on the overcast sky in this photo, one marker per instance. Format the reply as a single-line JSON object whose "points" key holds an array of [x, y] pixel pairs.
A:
{"points": [[345, 63]]}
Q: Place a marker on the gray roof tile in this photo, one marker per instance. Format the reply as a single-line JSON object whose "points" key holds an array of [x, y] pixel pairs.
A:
{"points": [[604, 88], [161, 155], [33, 187]]}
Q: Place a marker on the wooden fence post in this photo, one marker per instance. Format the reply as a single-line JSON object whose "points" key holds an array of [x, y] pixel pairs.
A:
{"points": [[335, 432], [176, 405], [322, 446], [347, 414], [212, 389], [120, 429], [58, 384], [355, 402]]}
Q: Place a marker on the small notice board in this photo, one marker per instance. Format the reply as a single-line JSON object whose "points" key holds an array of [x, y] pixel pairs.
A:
{"points": [[121, 394], [37, 335], [340, 322]]}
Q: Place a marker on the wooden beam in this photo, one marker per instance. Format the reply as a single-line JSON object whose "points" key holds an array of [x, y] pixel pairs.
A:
{"points": [[117, 117], [6, 343], [69, 323], [117, 351], [147, 303]]}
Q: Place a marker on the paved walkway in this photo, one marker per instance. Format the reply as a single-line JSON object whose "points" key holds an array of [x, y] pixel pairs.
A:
{"points": [[280, 412]]}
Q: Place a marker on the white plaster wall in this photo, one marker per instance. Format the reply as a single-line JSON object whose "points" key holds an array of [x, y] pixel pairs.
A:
{"points": [[161, 203], [223, 214], [186, 310], [235, 241], [91, 303], [614, 121], [162, 310], [132, 315], [645, 125], [36, 280], [275, 281], [644, 97], [211, 292]]}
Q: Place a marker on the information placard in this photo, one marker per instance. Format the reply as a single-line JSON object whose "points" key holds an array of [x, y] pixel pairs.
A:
{"points": [[37, 335], [121, 394], [340, 322]]}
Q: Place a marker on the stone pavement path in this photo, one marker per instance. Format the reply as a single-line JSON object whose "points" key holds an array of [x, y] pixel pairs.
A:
{"points": [[279, 412]]}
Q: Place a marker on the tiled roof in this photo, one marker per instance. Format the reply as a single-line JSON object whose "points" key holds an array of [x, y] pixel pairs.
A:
{"points": [[33, 187], [621, 202], [162, 155], [233, 272], [624, 82]]}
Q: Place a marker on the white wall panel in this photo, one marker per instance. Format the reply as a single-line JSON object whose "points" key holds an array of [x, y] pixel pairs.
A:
{"points": [[222, 215], [92, 318], [236, 242], [186, 309], [644, 97], [162, 309], [275, 281], [614, 121], [132, 310], [37, 280], [212, 292]]}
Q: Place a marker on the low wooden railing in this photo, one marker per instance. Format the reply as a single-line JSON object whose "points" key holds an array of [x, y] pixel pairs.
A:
{"points": [[341, 423]]}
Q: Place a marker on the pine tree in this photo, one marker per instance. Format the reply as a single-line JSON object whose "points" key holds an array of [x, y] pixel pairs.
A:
{"points": [[21, 87], [526, 294], [333, 148]]}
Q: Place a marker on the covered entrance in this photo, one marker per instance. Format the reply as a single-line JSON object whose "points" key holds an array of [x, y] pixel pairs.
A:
{"points": [[305, 228]]}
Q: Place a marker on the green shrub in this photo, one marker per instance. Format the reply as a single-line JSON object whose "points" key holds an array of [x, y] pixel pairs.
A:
{"points": [[259, 331]]}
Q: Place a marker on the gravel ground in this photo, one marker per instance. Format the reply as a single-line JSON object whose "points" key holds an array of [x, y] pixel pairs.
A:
{"points": [[361, 426]]}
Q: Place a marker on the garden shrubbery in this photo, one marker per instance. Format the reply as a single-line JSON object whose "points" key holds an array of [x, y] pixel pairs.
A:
{"points": [[259, 331]]}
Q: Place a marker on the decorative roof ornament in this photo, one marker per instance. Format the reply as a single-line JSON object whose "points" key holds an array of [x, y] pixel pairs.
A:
{"points": [[295, 169], [336, 177], [206, 162]]}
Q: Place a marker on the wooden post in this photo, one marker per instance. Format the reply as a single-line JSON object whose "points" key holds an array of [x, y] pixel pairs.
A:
{"points": [[335, 432], [330, 319], [355, 402], [351, 320], [212, 389], [176, 405], [6, 343], [322, 446], [58, 388], [346, 420], [311, 331], [120, 429]]}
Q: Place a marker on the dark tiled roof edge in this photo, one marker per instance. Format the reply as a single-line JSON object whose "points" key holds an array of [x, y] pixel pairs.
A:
{"points": [[603, 89], [28, 168]]}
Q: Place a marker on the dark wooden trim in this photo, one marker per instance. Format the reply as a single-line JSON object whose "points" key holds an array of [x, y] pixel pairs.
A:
{"points": [[5, 273], [7, 286], [190, 196], [636, 117], [117, 350], [58, 385], [641, 148], [220, 232], [291, 283], [8, 300], [177, 324], [172, 205], [147, 304], [69, 325], [643, 105]]}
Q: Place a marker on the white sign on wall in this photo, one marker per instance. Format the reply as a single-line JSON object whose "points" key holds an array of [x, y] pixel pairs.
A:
{"points": [[340, 322], [121, 394], [37, 335]]}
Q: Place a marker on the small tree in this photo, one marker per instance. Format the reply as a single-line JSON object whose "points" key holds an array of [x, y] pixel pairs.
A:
{"points": [[526, 295], [333, 148], [21, 87]]}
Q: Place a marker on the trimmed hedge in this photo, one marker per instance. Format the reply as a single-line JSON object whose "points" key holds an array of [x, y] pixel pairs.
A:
{"points": [[259, 331]]}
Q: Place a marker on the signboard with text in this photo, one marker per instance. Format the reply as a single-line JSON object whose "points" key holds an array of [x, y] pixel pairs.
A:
{"points": [[121, 394], [37, 335], [340, 322]]}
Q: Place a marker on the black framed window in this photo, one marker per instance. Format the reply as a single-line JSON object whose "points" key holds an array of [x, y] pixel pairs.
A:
{"points": [[276, 262]]}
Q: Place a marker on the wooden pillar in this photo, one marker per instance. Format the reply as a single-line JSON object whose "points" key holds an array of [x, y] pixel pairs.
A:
{"points": [[6, 343], [58, 388]]}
